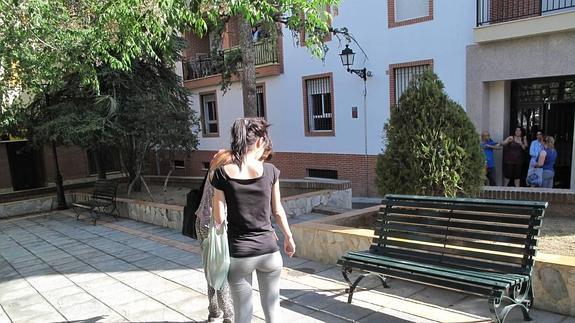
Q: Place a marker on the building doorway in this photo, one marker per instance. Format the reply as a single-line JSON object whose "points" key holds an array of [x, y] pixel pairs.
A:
{"points": [[548, 105], [26, 165]]}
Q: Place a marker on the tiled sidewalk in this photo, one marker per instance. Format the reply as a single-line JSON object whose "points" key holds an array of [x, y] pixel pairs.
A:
{"points": [[55, 269]]}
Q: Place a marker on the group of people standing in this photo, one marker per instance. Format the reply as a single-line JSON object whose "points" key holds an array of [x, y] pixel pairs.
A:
{"points": [[542, 154]]}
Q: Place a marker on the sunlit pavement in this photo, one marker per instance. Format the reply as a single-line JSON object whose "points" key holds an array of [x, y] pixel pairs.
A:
{"points": [[54, 268]]}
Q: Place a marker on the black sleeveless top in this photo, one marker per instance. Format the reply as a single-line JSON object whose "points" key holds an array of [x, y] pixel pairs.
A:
{"points": [[250, 231]]}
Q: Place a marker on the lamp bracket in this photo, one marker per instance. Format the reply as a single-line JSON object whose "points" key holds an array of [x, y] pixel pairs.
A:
{"points": [[362, 73]]}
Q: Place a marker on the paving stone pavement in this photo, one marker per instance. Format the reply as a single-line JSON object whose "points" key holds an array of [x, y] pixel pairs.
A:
{"points": [[56, 269]]}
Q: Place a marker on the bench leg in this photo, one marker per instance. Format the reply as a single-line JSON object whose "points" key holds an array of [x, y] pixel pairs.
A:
{"points": [[352, 286], [117, 214], [94, 215], [521, 296], [77, 213]]}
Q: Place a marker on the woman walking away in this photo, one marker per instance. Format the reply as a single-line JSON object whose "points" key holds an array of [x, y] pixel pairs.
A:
{"points": [[513, 148], [546, 161], [249, 190], [220, 301]]}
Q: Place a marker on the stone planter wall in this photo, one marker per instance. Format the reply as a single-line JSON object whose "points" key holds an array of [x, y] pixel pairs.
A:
{"points": [[171, 216], [326, 240], [36, 205], [164, 215], [304, 203], [329, 192]]}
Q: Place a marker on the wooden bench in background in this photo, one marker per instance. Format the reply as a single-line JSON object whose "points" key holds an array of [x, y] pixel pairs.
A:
{"points": [[102, 201], [477, 246]]}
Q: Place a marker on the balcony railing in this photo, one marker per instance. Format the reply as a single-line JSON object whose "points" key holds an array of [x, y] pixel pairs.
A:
{"points": [[496, 11], [266, 52]]}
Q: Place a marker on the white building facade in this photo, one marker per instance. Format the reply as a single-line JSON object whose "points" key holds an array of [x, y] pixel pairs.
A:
{"points": [[321, 124]]}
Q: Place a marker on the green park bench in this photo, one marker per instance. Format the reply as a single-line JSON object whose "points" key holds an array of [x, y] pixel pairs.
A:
{"points": [[102, 201], [477, 246]]}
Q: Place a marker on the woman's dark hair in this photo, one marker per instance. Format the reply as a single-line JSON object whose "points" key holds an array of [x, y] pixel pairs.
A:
{"points": [[244, 133], [520, 129]]}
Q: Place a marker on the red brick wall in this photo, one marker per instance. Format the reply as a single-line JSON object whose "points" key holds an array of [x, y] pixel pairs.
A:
{"points": [[73, 163], [506, 10], [5, 179], [196, 45], [232, 33], [295, 166], [349, 167]]}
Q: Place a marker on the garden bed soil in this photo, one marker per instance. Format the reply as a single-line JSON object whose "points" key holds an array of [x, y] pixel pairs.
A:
{"points": [[558, 236], [176, 195]]}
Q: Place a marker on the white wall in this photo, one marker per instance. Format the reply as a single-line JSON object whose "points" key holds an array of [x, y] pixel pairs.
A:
{"points": [[443, 39]]}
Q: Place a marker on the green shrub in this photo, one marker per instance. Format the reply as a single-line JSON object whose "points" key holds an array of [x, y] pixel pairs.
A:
{"points": [[431, 145]]}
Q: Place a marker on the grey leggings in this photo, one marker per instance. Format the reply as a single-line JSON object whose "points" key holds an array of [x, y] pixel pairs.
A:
{"points": [[268, 268]]}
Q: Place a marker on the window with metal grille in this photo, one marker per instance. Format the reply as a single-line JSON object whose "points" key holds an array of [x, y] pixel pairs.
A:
{"points": [[179, 164], [319, 108], [209, 114], [260, 101], [403, 76], [322, 173]]}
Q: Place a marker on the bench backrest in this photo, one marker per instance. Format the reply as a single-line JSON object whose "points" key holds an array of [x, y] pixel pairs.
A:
{"points": [[493, 235], [105, 190]]}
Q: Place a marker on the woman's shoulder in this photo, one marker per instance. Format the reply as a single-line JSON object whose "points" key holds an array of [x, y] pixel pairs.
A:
{"points": [[218, 178], [270, 166], [271, 172]]}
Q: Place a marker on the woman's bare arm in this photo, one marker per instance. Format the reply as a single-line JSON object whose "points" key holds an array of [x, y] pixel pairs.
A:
{"points": [[541, 160], [219, 206], [281, 220]]}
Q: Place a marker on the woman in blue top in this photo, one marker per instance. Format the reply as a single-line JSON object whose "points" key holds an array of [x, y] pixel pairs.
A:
{"points": [[546, 161]]}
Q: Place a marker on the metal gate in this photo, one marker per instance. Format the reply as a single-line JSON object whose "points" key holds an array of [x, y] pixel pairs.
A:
{"points": [[548, 105]]}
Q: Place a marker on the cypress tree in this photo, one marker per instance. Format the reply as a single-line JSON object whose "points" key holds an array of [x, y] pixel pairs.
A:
{"points": [[432, 147]]}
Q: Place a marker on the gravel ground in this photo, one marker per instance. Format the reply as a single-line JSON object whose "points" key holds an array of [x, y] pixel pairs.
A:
{"points": [[558, 236]]}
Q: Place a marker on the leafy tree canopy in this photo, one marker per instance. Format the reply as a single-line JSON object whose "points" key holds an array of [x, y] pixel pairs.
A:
{"points": [[43, 41]]}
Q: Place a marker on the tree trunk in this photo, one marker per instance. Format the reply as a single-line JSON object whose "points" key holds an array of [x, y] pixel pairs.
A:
{"points": [[100, 163], [248, 73], [131, 163], [60, 196], [134, 182]]}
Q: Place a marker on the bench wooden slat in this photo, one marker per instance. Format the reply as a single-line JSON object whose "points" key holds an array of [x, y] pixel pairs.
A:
{"points": [[492, 228], [497, 218], [103, 197], [434, 271], [458, 242], [452, 251], [433, 281], [454, 233], [465, 207], [462, 200], [459, 262], [503, 278]]}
